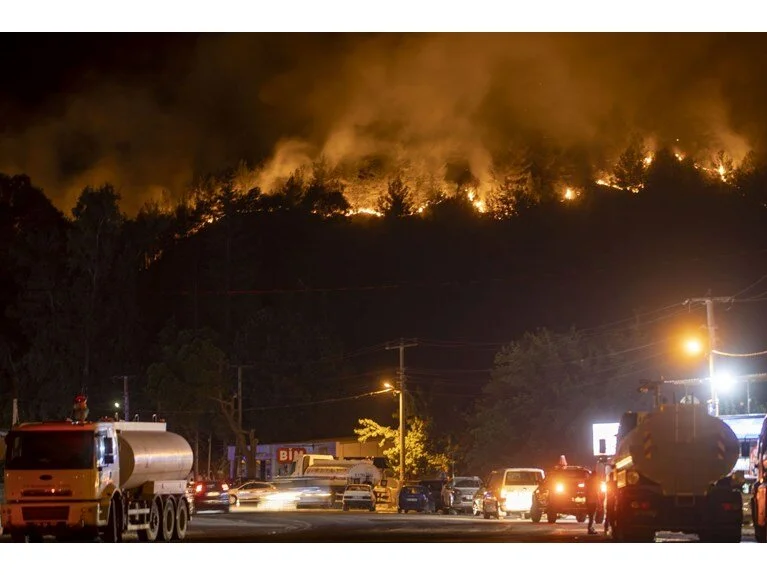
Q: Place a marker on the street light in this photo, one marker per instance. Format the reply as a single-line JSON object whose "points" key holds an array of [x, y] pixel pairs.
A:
{"points": [[723, 381], [117, 414], [693, 346], [389, 386]]}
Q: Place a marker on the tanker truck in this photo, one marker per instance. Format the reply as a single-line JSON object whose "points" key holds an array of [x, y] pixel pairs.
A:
{"points": [[87, 480], [673, 472]]}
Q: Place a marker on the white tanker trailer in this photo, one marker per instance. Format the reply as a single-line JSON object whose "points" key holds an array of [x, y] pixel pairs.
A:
{"points": [[672, 472], [79, 479]]}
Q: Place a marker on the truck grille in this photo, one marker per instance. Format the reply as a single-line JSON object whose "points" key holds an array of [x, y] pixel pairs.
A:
{"points": [[58, 513]]}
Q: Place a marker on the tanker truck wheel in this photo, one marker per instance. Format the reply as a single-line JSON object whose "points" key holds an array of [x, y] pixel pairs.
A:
{"points": [[168, 523], [182, 521], [535, 514], [151, 532]]}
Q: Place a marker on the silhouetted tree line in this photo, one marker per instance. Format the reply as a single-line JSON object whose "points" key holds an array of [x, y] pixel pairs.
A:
{"points": [[287, 286]]}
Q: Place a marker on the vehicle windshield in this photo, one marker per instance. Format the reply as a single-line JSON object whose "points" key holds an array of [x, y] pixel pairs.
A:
{"points": [[475, 483], [50, 450], [358, 488], [522, 478]]}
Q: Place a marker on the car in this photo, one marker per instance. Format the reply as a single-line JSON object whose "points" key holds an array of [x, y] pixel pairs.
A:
{"points": [[250, 493], [359, 495], [415, 498], [211, 495], [314, 497], [458, 494], [563, 492], [509, 492]]}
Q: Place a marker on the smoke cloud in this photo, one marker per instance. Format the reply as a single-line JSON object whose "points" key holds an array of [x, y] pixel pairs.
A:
{"points": [[412, 103]]}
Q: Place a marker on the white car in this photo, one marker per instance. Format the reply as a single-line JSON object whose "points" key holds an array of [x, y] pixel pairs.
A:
{"points": [[509, 492], [251, 492], [360, 496]]}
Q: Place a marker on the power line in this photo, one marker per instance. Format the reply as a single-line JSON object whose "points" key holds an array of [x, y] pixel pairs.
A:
{"points": [[725, 354], [744, 290]]}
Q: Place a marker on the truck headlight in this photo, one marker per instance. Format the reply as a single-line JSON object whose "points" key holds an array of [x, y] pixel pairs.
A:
{"points": [[559, 488]]}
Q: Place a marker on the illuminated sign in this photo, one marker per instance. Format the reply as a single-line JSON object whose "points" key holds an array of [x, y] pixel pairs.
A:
{"points": [[606, 432], [747, 427], [289, 454]]}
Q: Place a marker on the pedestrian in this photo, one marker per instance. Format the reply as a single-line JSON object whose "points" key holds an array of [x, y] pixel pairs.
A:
{"points": [[593, 499]]}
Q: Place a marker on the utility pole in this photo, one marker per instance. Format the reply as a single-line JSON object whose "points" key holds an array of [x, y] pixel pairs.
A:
{"points": [[712, 344], [126, 409], [196, 455], [237, 455], [401, 345], [210, 444]]}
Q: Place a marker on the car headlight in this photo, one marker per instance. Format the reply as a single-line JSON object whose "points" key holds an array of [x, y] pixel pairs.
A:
{"points": [[559, 488], [603, 487]]}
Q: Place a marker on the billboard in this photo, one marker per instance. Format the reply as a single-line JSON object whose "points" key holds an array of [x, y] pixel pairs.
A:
{"points": [[606, 432]]}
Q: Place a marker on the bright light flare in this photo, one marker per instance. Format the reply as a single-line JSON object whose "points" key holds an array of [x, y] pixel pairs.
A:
{"points": [[693, 346], [559, 488], [723, 381], [569, 194], [388, 385], [647, 160]]}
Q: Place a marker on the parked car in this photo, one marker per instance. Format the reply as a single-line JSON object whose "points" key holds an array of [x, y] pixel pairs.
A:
{"points": [[458, 494], [415, 498], [250, 493], [510, 492], [211, 496], [563, 492], [360, 496]]}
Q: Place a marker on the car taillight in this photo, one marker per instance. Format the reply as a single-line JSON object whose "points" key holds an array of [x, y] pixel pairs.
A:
{"points": [[640, 505], [224, 487], [728, 506], [198, 488]]}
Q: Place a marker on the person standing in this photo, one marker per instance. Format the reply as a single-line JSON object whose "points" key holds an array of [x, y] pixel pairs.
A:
{"points": [[593, 499]]}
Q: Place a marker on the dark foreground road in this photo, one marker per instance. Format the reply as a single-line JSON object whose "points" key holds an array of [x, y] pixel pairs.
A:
{"points": [[254, 526]]}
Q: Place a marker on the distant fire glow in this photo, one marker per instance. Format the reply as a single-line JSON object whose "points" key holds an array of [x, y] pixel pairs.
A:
{"points": [[569, 194]]}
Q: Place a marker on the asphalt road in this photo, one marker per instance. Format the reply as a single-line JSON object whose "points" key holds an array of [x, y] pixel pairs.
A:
{"points": [[334, 526]]}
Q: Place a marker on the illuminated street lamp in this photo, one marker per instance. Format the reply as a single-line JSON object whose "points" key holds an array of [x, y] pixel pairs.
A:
{"points": [[117, 413], [723, 381], [693, 346]]}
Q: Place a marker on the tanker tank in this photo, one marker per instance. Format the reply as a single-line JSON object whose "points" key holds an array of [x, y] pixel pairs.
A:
{"points": [[153, 456], [681, 448]]}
